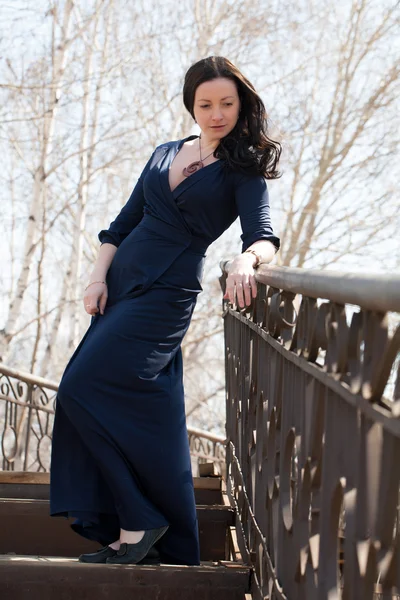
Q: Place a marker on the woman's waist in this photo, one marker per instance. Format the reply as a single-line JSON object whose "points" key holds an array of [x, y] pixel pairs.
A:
{"points": [[152, 258], [144, 258], [174, 234]]}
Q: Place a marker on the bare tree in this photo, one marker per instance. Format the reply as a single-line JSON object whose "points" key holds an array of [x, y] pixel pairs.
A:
{"points": [[37, 167], [341, 199], [85, 103]]}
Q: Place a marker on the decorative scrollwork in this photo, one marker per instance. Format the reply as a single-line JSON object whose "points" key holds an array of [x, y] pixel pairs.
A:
{"points": [[355, 348], [207, 449], [9, 444], [27, 407], [27, 412]]}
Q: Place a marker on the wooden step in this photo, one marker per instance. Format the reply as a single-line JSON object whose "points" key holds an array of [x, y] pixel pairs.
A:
{"points": [[27, 528], [46, 578], [36, 486]]}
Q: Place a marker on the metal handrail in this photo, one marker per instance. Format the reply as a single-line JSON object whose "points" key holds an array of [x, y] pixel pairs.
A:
{"points": [[372, 291]]}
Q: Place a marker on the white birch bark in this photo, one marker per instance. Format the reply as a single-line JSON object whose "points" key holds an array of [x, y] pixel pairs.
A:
{"points": [[39, 178]]}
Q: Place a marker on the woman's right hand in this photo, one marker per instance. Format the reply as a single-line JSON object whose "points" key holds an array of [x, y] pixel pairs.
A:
{"points": [[95, 298]]}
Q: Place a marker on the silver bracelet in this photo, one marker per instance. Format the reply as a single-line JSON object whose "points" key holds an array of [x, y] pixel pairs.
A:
{"points": [[256, 255], [93, 283]]}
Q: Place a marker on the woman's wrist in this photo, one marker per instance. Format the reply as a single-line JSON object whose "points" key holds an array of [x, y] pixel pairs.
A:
{"points": [[103, 262], [262, 252], [248, 256], [241, 259], [97, 274], [95, 281]]}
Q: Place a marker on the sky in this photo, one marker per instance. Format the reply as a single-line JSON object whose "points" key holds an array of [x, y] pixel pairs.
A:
{"points": [[24, 34]]}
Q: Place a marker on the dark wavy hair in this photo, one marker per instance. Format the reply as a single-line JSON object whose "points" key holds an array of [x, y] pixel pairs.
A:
{"points": [[247, 147]]}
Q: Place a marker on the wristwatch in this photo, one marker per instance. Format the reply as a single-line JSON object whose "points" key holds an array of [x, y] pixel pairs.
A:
{"points": [[258, 257]]}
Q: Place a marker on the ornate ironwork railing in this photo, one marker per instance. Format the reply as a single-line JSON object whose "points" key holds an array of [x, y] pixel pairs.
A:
{"points": [[313, 444], [27, 406]]}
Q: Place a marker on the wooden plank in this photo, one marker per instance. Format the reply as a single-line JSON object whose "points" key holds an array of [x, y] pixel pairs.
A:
{"points": [[27, 528], [26, 507], [233, 546], [207, 496], [207, 469], [33, 491], [26, 477], [216, 513], [207, 483], [29, 491], [23, 507], [44, 578], [36, 486]]}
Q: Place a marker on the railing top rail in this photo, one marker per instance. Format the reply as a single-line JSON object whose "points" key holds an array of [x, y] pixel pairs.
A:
{"points": [[28, 377], [373, 291], [213, 437]]}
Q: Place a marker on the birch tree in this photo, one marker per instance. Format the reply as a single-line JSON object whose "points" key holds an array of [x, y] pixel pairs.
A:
{"points": [[88, 90], [36, 165], [339, 199]]}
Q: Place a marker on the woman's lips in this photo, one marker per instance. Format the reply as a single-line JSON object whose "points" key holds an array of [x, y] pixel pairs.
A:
{"points": [[217, 126]]}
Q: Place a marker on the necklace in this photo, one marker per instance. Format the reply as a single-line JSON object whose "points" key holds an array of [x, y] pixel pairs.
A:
{"points": [[197, 164]]}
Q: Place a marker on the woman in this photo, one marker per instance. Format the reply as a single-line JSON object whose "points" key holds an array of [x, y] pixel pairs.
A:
{"points": [[120, 456]]}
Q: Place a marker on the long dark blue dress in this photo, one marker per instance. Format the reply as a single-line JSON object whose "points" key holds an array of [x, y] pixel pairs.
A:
{"points": [[120, 453]]}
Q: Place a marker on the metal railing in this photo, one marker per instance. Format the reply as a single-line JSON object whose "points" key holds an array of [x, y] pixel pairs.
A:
{"points": [[313, 444], [27, 405]]}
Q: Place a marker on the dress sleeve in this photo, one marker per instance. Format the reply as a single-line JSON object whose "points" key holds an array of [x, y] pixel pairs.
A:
{"points": [[130, 215], [252, 202]]}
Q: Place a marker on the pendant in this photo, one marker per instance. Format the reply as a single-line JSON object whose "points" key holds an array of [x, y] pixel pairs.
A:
{"points": [[192, 168]]}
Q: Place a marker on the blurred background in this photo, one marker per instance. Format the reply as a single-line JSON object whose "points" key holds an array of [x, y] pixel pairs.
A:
{"points": [[88, 88]]}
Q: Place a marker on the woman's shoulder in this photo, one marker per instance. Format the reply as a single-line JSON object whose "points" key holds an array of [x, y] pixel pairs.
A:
{"points": [[243, 176], [174, 143], [159, 151], [164, 145]]}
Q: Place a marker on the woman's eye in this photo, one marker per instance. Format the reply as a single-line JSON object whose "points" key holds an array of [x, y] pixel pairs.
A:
{"points": [[208, 106]]}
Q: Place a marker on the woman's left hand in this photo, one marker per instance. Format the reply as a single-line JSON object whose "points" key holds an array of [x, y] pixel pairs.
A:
{"points": [[241, 280]]}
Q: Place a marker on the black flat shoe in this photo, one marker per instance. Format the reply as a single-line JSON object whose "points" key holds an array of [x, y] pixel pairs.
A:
{"points": [[151, 558], [100, 556], [134, 553]]}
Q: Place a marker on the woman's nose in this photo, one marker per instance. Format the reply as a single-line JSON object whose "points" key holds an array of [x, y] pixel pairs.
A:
{"points": [[216, 116]]}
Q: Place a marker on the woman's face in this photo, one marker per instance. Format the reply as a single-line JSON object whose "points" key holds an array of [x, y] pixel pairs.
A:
{"points": [[216, 107]]}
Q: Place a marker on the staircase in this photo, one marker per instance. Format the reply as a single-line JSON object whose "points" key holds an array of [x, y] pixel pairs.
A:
{"points": [[38, 553]]}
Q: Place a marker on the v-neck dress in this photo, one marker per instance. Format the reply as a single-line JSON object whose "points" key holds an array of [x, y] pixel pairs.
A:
{"points": [[120, 452]]}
